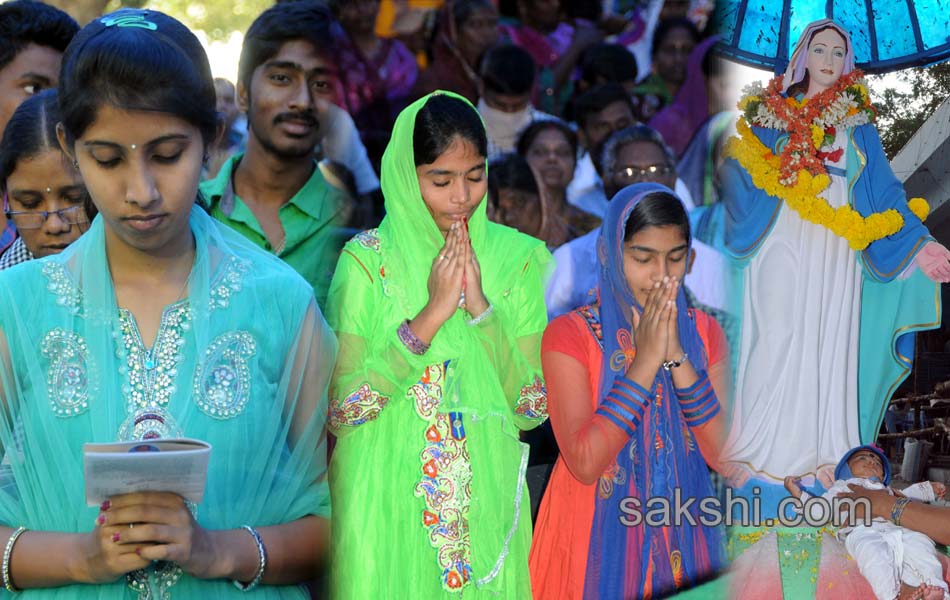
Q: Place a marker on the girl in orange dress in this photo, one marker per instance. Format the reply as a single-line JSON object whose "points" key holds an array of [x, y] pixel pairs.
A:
{"points": [[633, 395]]}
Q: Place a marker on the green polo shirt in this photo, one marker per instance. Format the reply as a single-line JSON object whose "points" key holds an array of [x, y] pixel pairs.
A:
{"points": [[311, 220]]}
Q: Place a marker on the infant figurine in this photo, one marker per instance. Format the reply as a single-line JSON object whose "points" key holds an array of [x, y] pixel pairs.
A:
{"points": [[897, 562]]}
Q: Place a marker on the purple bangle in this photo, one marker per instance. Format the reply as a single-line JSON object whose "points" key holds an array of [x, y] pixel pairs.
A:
{"points": [[410, 340]]}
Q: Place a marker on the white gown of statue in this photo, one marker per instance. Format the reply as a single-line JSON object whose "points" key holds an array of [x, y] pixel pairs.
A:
{"points": [[796, 407]]}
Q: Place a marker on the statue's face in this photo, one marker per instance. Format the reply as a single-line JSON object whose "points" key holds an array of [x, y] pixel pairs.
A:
{"points": [[826, 53]]}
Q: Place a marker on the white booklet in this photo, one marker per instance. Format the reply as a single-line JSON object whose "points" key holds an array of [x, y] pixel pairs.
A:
{"points": [[163, 465]]}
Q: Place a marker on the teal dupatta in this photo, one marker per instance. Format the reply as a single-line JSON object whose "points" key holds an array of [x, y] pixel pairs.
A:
{"points": [[243, 362]]}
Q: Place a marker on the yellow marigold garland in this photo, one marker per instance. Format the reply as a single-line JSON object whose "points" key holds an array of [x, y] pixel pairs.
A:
{"points": [[803, 196], [919, 207], [817, 136]]}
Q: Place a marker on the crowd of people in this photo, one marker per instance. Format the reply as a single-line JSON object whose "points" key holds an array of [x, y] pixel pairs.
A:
{"points": [[458, 272]]}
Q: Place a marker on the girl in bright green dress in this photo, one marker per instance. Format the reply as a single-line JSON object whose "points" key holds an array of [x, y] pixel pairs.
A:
{"points": [[157, 323], [439, 315]]}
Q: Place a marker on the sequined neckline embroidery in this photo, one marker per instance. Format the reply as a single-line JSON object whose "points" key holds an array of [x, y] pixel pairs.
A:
{"points": [[60, 285], [150, 373], [227, 282], [591, 316]]}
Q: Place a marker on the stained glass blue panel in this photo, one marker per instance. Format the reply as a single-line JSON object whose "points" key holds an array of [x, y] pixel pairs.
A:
{"points": [[887, 34]]}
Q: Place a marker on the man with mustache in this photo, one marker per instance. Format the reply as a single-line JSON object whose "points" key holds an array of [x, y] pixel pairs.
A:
{"points": [[274, 193]]}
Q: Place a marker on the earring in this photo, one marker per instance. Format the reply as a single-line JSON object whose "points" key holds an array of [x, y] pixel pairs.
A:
{"points": [[206, 157]]}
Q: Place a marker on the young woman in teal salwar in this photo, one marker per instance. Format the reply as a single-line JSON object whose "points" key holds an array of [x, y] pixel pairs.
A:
{"points": [[157, 323]]}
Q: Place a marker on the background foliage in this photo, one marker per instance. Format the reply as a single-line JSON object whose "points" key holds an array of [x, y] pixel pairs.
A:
{"points": [[901, 112], [217, 18]]}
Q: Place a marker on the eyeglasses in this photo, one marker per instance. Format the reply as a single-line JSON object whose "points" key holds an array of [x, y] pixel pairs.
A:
{"points": [[635, 174], [34, 219]]}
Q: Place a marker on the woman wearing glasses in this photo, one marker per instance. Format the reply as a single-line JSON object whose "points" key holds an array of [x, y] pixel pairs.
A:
{"points": [[43, 195], [635, 154]]}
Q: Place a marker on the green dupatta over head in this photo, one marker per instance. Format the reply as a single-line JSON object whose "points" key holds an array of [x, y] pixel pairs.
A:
{"points": [[428, 458], [413, 234]]}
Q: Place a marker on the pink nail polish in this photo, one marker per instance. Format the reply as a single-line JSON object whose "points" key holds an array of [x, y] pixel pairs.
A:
{"points": [[101, 519], [115, 537], [105, 505]]}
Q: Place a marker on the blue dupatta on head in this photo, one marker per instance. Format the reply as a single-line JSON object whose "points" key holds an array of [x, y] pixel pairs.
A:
{"points": [[630, 560]]}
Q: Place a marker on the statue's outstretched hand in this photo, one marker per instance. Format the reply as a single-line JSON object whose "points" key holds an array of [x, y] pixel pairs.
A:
{"points": [[934, 260]]}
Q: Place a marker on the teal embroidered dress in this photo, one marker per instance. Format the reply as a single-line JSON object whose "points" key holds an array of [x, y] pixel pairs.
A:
{"points": [[242, 362]]}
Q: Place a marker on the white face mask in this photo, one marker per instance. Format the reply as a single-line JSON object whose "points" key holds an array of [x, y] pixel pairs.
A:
{"points": [[503, 127]]}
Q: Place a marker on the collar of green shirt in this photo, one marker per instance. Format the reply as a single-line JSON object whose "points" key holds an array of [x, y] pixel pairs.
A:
{"points": [[311, 199]]}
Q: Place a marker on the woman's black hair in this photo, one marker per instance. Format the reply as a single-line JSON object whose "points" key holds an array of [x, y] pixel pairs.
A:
{"points": [[140, 60], [532, 131], [439, 121], [658, 209], [463, 9], [510, 172], [668, 25], [31, 131], [582, 9], [713, 65], [508, 69], [604, 63]]}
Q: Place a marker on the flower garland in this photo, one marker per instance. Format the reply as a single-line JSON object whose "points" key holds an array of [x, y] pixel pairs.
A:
{"points": [[798, 175], [811, 123]]}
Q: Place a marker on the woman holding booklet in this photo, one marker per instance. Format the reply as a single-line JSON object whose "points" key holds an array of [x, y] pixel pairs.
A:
{"points": [[157, 323]]}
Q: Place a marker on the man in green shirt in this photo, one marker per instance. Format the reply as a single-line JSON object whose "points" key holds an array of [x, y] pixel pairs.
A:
{"points": [[274, 193]]}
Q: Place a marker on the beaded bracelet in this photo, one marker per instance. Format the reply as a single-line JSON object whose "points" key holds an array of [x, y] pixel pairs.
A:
{"points": [[672, 364], [410, 340], [7, 552], [898, 511], [263, 558], [476, 320]]}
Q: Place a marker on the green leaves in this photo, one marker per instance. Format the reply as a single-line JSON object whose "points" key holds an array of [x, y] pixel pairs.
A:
{"points": [[902, 112]]}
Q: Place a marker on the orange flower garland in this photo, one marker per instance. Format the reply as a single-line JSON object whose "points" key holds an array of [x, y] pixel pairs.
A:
{"points": [[798, 175], [807, 121]]}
